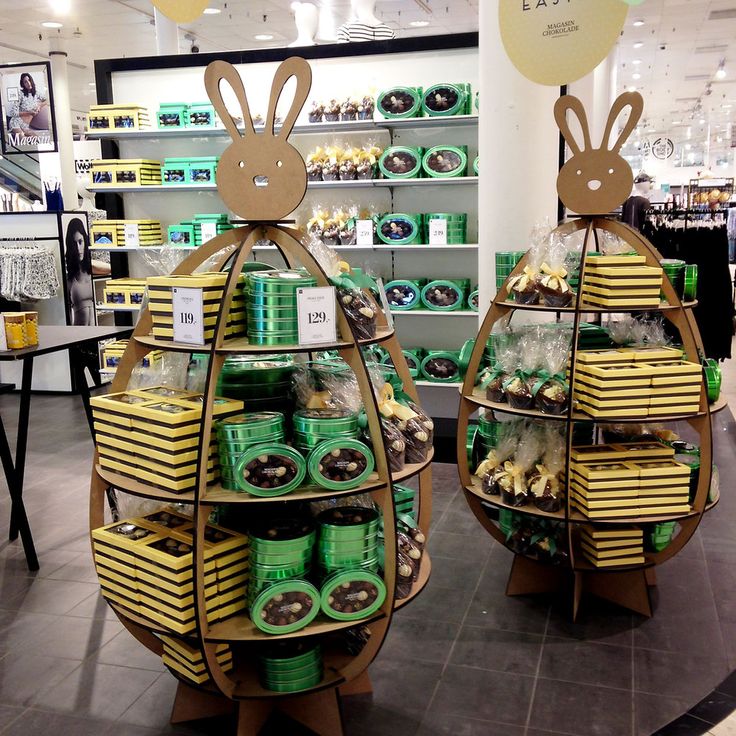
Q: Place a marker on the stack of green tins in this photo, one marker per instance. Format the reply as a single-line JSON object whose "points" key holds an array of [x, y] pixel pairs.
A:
{"points": [[271, 300], [404, 501], [506, 261], [291, 666], [280, 549], [220, 221], [401, 229], [675, 271], [474, 300], [691, 282], [237, 434], [261, 382], [660, 535], [348, 539], [457, 225], [593, 337], [313, 426]]}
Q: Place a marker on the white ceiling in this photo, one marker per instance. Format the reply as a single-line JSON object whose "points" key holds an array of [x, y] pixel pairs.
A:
{"points": [[683, 43]]}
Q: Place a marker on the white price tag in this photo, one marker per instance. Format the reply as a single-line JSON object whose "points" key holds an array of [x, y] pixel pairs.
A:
{"points": [[188, 315], [316, 314], [438, 232], [132, 240], [364, 232], [209, 231], [384, 303]]}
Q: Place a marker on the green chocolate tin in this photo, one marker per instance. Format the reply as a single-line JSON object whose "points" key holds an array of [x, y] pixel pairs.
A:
{"points": [[296, 686], [347, 538], [267, 301], [251, 426], [713, 378], [335, 458], [347, 519], [441, 366], [476, 165], [464, 358], [442, 289], [276, 326], [443, 100], [399, 102], [691, 282], [293, 674], [443, 162], [325, 421], [283, 656], [291, 559], [273, 470], [401, 162], [473, 300], [352, 595], [270, 338], [273, 573], [400, 229], [403, 294], [285, 607], [281, 282], [291, 531]]}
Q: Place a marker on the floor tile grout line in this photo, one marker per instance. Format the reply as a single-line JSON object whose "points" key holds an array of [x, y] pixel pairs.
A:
{"points": [[536, 674], [23, 710]]}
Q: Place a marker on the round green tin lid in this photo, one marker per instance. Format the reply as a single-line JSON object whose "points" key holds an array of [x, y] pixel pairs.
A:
{"points": [[342, 517], [285, 607], [442, 296], [403, 294], [441, 366], [445, 161], [401, 162], [465, 352], [351, 595], [400, 229], [251, 425], [399, 102], [441, 100], [476, 165], [270, 470], [473, 300], [339, 464], [279, 529]]}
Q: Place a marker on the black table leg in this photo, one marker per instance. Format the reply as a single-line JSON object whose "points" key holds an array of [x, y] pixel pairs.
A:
{"points": [[18, 518], [80, 381]]}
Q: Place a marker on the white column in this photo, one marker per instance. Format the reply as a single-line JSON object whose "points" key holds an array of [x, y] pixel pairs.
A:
{"points": [[518, 143], [597, 91], [63, 114], [167, 34]]}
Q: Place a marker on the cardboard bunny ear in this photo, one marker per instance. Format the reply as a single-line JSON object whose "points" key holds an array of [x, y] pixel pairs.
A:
{"points": [[215, 73], [292, 67], [573, 104], [628, 99]]}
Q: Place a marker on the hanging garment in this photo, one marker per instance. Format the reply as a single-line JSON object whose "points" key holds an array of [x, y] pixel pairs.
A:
{"points": [[27, 273], [634, 211], [54, 200], [706, 246]]}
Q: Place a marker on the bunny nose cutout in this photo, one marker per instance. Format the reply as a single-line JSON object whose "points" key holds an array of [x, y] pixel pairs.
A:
{"points": [[594, 184]]}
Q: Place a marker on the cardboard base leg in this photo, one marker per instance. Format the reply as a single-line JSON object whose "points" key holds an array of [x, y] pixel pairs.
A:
{"points": [[627, 589], [528, 577], [191, 704], [317, 711], [361, 685]]}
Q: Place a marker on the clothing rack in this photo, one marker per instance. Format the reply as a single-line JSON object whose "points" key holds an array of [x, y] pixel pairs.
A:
{"points": [[660, 213]]}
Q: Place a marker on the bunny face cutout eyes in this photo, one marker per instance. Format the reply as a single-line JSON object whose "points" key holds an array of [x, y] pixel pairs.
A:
{"points": [[595, 181], [260, 176]]}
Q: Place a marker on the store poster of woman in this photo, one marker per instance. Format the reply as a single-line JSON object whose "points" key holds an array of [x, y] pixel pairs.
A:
{"points": [[27, 108], [79, 271]]}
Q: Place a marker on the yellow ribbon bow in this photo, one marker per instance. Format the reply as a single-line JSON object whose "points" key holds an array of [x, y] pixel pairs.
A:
{"points": [[389, 407], [318, 218], [320, 400], [540, 483], [554, 278], [491, 462], [316, 155], [516, 472], [520, 283]]}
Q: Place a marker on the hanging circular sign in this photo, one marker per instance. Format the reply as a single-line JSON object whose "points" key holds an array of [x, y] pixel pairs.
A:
{"points": [[662, 148], [181, 11], [558, 41]]}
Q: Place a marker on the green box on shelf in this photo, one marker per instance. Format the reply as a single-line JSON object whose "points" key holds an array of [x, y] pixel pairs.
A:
{"points": [[401, 162], [445, 162], [445, 99], [399, 102], [201, 115], [442, 289], [401, 229], [175, 171], [182, 234], [202, 169], [172, 115], [441, 366]]}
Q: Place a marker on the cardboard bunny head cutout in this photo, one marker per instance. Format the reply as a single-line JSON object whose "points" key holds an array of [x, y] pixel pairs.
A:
{"points": [[260, 176], [595, 181]]}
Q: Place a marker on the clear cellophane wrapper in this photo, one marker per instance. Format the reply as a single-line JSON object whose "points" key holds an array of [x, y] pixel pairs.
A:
{"points": [[552, 283], [546, 478], [550, 389], [512, 480]]}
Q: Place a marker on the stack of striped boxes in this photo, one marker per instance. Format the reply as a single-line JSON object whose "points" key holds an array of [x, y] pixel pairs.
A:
{"points": [[112, 233], [636, 382], [187, 659], [146, 566], [612, 547], [631, 480], [152, 435], [621, 281], [160, 304]]}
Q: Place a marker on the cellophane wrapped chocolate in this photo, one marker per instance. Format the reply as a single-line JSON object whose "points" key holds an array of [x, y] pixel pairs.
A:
{"points": [[524, 287], [331, 233], [406, 574], [331, 162], [332, 111], [316, 224], [507, 361], [408, 547], [491, 467], [360, 310], [315, 162], [546, 480], [417, 446], [366, 107], [552, 282], [349, 164], [345, 219], [551, 390], [329, 385], [512, 481], [349, 109], [405, 525], [518, 386], [316, 112], [395, 445], [622, 329], [368, 159]]}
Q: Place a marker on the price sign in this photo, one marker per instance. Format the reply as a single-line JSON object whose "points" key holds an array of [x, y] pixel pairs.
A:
{"points": [[209, 231], [188, 315], [364, 232], [131, 235], [438, 232], [316, 315]]}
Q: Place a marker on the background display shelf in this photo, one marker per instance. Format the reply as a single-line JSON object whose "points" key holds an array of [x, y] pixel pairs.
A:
{"points": [[626, 585]]}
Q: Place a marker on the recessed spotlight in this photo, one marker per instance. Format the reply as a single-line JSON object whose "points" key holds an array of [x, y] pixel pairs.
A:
{"points": [[638, 22], [631, 89], [419, 23], [212, 11], [61, 7], [727, 107], [721, 74], [264, 37], [701, 121], [91, 84], [638, 44], [636, 76], [52, 24], [636, 62], [677, 122], [651, 130]]}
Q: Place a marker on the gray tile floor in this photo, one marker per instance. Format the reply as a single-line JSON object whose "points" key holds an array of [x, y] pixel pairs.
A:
{"points": [[462, 660]]}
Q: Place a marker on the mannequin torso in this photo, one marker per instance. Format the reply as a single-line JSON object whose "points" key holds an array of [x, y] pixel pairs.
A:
{"points": [[306, 17], [366, 27]]}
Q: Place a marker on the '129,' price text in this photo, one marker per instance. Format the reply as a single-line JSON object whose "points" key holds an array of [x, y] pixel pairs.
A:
{"points": [[317, 318], [316, 311]]}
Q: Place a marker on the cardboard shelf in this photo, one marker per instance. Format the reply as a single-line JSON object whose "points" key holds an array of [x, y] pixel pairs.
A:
{"points": [[589, 309]]}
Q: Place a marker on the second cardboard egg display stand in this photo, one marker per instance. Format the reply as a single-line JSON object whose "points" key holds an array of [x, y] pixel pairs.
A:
{"points": [[594, 180], [263, 206]]}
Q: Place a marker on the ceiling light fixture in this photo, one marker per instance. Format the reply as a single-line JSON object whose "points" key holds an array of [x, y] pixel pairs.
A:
{"points": [[60, 7], [264, 37], [636, 75], [639, 22], [212, 11], [701, 121], [638, 44], [636, 62], [721, 71], [677, 122], [419, 23], [631, 89], [52, 24]]}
